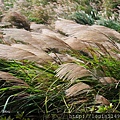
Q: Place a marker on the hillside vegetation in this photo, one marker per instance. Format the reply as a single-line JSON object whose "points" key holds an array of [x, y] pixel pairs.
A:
{"points": [[59, 57]]}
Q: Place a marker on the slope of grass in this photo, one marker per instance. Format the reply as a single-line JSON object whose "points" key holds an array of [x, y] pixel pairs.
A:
{"points": [[46, 93]]}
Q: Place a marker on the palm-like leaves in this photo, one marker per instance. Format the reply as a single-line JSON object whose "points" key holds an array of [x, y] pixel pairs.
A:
{"points": [[77, 89], [71, 71], [107, 80], [22, 52]]}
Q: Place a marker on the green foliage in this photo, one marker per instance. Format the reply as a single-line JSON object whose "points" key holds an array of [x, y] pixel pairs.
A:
{"points": [[110, 7], [103, 109], [85, 6], [108, 65], [0, 13], [83, 18], [18, 116], [102, 66], [36, 20], [6, 118], [9, 4], [98, 12], [109, 23], [39, 15], [86, 19]]}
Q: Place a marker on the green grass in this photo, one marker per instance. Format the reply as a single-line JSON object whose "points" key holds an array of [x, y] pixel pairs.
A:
{"points": [[44, 94], [109, 23], [93, 18], [83, 18]]}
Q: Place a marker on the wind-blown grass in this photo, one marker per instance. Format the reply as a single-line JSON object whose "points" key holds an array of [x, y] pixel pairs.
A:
{"points": [[46, 93], [43, 95]]}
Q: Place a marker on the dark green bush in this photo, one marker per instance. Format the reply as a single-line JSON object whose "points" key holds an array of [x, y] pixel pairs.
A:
{"points": [[109, 23], [83, 18]]}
